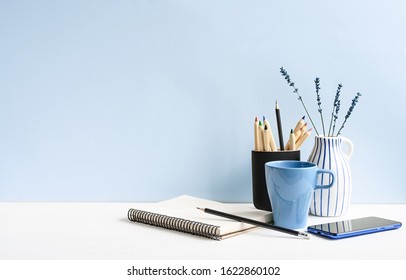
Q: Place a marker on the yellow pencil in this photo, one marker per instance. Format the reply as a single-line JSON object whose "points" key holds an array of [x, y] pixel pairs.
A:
{"points": [[267, 146], [304, 136], [299, 124], [270, 135], [292, 140], [256, 135], [298, 131], [261, 136], [301, 131]]}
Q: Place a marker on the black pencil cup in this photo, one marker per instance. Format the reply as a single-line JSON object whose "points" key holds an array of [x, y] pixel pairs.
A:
{"points": [[259, 189]]}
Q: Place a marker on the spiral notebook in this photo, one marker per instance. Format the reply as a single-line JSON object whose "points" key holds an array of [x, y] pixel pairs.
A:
{"points": [[181, 214]]}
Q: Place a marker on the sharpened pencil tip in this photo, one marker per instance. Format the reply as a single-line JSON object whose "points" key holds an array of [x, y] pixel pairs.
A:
{"points": [[200, 208]]}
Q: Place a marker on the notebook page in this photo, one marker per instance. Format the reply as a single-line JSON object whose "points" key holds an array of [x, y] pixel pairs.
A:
{"points": [[184, 207]]}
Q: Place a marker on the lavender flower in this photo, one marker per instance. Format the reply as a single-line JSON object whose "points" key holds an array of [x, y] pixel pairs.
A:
{"points": [[296, 90], [335, 116], [336, 105], [336, 109], [317, 83], [353, 103]]}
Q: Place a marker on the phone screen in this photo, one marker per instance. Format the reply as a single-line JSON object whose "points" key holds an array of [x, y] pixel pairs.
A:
{"points": [[361, 225]]}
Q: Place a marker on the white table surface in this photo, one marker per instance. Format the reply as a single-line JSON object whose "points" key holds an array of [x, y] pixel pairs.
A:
{"points": [[99, 231]]}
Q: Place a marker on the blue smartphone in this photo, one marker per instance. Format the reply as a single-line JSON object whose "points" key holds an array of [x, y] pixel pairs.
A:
{"points": [[354, 227]]}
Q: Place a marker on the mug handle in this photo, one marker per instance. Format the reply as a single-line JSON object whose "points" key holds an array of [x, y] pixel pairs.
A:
{"points": [[350, 146], [332, 176]]}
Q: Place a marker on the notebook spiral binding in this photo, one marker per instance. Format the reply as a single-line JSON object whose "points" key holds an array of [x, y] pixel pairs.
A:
{"points": [[173, 223]]}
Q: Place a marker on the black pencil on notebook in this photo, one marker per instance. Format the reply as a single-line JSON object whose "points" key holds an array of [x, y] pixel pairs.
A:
{"points": [[254, 222], [279, 123]]}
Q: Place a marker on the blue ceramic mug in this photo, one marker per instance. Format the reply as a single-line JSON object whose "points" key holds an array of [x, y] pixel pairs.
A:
{"points": [[290, 186]]}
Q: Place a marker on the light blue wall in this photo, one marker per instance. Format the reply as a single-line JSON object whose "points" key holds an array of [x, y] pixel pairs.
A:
{"points": [[144, 100]]}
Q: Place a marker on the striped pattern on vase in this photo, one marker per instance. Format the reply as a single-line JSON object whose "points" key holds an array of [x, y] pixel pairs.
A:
{"points": [[327, 153]]}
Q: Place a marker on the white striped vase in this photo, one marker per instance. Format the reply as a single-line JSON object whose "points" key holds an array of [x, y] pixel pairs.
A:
{"points": [[328, 153]]}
